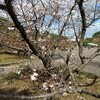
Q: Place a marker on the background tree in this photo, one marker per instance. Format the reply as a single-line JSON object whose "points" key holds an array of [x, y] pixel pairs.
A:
{"points": [[96, 38], [87, 40], [96, 35]]}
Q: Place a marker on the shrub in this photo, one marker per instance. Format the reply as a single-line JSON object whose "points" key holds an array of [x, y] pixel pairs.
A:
{"points": [[83, 75], [11, 76]]}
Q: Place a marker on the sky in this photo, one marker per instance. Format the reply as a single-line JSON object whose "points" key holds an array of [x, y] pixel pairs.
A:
{"points": [[94, 28]]}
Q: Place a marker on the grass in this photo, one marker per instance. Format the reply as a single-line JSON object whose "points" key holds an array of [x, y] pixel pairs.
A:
{"points": [[11, 76], [6, 58], [24, 86], [78, 97], [13, 84], [20, 86]]}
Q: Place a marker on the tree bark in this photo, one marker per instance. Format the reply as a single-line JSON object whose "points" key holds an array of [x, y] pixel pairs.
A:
{"points": [[83, 30], [18, 25]]}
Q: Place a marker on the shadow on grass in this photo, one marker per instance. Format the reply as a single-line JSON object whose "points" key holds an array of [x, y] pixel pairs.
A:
{"points": [[11, 94]]}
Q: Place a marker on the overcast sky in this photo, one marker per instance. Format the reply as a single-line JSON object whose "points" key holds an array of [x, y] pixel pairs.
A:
{"points": [[94, 28]]}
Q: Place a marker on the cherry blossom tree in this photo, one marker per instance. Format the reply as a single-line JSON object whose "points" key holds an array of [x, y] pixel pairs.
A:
{"points": [[36, 20]]}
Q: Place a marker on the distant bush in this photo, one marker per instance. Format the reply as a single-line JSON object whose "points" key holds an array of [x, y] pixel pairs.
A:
{"points": [[87, 40], [97, 34], [55, 36], [83, 75]]}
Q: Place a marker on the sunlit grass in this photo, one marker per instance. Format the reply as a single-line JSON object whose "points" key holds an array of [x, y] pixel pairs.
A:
{"points": [[6, 58]]}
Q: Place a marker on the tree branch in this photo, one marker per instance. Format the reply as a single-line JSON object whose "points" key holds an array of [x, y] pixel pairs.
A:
{"points": [[23, 33], [66, 22], [94, 16], [3, 7], [83, 31], [95, 54]]}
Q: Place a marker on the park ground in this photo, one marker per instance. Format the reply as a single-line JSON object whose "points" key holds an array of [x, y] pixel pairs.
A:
{"points": [[12, 84]]}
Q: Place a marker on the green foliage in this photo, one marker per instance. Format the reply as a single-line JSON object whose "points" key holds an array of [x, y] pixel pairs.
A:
{"points": [[87, 40], [54, 36], [26, 69], [11, 76], [3, 24], [3, 21], [83, 75], [97, 34]]}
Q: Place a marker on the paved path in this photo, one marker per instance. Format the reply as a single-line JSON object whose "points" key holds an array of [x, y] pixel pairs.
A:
{"points": [[94, 65]]}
